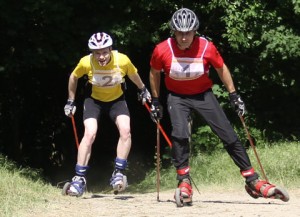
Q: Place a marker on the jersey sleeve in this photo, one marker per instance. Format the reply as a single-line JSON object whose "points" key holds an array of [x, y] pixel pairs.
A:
{"points": [[81, 68], [131, 69], [214, 57], [155, 61]]}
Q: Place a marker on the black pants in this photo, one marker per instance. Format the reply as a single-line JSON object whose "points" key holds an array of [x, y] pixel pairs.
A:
{"points": [[205, 104]]}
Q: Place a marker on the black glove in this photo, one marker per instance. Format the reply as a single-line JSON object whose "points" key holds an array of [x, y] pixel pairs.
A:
{"points": [[237, 103], [144, 95], [70, 108], [156, 110]]}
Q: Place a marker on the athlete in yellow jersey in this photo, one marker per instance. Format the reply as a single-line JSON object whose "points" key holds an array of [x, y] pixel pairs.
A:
{"points": [[106, 70]]}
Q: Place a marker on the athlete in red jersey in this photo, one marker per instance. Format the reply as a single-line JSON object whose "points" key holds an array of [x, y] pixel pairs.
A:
{"points": [[185, 60], [191, 75]]}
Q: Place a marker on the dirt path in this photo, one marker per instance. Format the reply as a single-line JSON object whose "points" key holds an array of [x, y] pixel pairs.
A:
{"points": [[208, 203]]}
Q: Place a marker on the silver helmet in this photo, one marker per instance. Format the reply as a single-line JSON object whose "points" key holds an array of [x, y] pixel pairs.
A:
{"points": [[184, 20], [99, 40]]}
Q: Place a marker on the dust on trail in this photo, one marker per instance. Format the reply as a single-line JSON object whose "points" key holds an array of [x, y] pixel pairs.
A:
{"points": [[216, 203]]}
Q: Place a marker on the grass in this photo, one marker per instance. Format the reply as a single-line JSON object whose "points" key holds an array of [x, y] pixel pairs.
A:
{"points": [[23, 189], [280, 163]]}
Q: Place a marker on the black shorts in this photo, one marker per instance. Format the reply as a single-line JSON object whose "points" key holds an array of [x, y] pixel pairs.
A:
{"points": [[94, 108]]}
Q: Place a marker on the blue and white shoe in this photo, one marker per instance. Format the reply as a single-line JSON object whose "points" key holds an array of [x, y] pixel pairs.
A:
{"points": [[118, 181], [76, 187]]}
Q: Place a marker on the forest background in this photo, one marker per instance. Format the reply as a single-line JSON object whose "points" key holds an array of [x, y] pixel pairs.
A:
{"points": [[41, 42]]}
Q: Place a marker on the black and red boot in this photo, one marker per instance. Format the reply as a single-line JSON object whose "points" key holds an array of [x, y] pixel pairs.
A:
{"points": [[259, 188], [184, 193]]}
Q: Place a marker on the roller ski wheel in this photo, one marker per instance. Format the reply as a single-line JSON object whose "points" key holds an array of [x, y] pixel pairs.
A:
{"points": [[121, 186], [281, 194], [277, 192], [65, 189], [181, 200], [178, 198]]}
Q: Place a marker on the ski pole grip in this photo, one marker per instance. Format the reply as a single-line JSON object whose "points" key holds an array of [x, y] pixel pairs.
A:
{"points": [[160, 127]]}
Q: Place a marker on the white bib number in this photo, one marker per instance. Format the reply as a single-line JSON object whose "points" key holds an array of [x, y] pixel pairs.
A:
{"points": [[186, 68], [107, 80]]}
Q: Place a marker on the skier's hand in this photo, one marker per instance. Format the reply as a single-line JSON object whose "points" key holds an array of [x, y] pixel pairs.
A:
{"points": [[70, 108], [156, 110], [237, 103], [144, 95]]}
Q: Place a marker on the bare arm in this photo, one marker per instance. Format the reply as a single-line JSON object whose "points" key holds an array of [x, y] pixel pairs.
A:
{"points": [[136, 79], [72, 86], [154, 79], [226, 78]]}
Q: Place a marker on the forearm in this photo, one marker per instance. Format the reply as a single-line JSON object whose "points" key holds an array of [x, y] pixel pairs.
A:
{"points": [[136, 79], [226, 78], [154, 79], [72, 86]]}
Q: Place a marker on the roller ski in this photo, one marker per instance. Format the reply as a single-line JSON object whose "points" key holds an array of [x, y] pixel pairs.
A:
{"points": [[259, 188], [75, 188], [118, 181], [183, 193]]}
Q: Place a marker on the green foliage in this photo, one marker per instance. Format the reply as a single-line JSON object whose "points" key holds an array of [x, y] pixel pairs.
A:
{"points": [[281, 42], [296, 5], [263, 48], [223, 96], [204, 140]]}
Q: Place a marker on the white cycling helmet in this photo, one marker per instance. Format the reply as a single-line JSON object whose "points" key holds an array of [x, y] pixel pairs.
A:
{"points": [[184, 20], [99, 40]]}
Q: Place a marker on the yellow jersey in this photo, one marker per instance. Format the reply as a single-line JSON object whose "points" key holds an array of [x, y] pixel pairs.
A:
{"points": [[106, 80]]}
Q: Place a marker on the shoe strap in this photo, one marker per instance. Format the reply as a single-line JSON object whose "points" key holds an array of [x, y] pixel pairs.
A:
{"points": [[184, 185], [260, 184]]}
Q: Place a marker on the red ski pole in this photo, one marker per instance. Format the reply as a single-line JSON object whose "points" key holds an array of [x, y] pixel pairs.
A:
{"points": [[160, 127], [75, 131]]}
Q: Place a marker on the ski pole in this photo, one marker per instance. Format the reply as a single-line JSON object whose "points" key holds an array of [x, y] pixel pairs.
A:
{"points": [[75, 131], [157, 160], [158, 155], [159, 127], [253, 147]]}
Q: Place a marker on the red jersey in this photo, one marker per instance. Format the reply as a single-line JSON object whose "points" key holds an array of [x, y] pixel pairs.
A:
{"points": [[202, 53]]}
